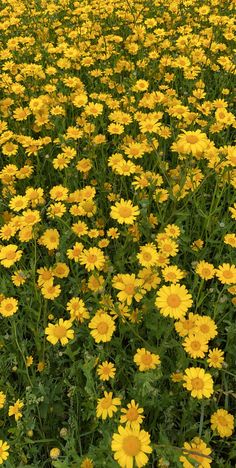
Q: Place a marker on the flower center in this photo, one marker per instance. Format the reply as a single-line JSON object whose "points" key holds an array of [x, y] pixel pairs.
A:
{"points": [[192, 139], [147, 256], [173, 300], [197, 383], [204, 328], [8, 307], [125, 211], [146, 359], [91, 258], [195, 345], [222, 421], [102, 328], [129, 289], [59, 331], [10, 255], [106, 403], [227, 274], [132, 414], [131, 445]]}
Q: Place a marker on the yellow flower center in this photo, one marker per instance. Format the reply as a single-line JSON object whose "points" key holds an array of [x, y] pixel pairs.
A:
{"points": [[204, 328], [125, 211], [131, 445], [206, 271], [146, 359], [132, 414], [147, 256], [197, 383], [10, 255], [102, 328], [129, 289], [195, 345], [8, 307], [106, 402], [91, 258], [228, 274], [59, 331], [173, 300], [222, 420], [192, 139]]}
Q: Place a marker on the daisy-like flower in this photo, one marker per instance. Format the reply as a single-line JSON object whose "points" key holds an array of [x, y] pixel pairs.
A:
{"points": [[146, 360], [172, 273], [196, 452], [205, 326], [205, 270], [125, 212], [92, 258], [191, 142], [8, 306], [147, 255], [61, 331], [107, 405], [130, 287], [173, 300], [50, 290], [196, 346], [185, 326], [15, 410], [215, 358], [87, 463], [102, 326], [222, 422], [226, 273], [50, 239], [131, 446], [77, 309], [9, 255], [4, 454], [198, 382], [132, 415], [106, 370]]}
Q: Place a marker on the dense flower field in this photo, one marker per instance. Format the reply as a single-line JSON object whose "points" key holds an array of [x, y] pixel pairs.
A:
{"points": [[117, 242]]}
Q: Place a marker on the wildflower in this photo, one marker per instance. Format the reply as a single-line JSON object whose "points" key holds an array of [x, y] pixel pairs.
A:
{"points": [[215, 358], [198, 382], [54, 453], [77, 309], [130, 287], [106, 371], [92, 258], [206, 326], [8, 306], [129, 445], [102, 326], [205, 270], [147, 255], [15, 410], [124, 212], [9, 255], [195, 345], [2, 399], [61, 331], [87, 463], [107, 405], [146, 360], [132, 415], [222, 422], [196, 446], [4, 454], [226, 273], [173, 300]]}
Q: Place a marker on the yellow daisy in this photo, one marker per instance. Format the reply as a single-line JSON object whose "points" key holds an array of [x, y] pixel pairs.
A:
{"points": [[102, 326], [131, 446], [124, 212], [173, 300], [107, 405]]}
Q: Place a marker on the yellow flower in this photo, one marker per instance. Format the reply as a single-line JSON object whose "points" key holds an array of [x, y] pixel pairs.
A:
{"points": [[205, 270], [87, 463], [192, 142], [215, 358], [226, 273], [61, 331], [146, 360], [50, 239], [4, 454], [77, 309], [194, 452], [172, 273], [132, 415], [14, 410], [50, 291], [185, 326], [147, 255], [9, 255], [92, 258], [198, 382], [54, 453], [173, 300], [223, 422], [195, 345], [124, 212], [130, 287], [106, 370], [8, 306], [107, 405], [103, 327], [2, 399], [206, 327], [131, 445]]}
